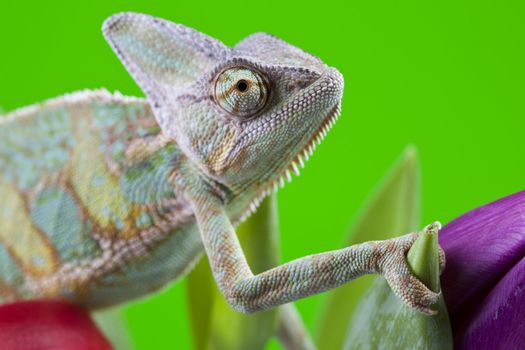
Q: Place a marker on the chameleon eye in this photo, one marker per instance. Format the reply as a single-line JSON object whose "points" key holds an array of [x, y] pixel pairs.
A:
{"points": [[240, 91]]}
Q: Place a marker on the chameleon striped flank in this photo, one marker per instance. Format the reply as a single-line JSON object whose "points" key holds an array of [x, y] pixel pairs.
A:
{"points": [[62, 223], [30, 248]]}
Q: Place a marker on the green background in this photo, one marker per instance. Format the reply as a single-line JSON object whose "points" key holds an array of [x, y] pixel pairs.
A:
{"points": [[447, 76]]}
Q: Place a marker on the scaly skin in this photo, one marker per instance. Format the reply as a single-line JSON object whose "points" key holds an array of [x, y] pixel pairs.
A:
{"points": [[106, 198]]}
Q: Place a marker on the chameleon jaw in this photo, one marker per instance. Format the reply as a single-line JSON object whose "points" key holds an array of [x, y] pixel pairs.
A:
{"points": [[298, 162]]}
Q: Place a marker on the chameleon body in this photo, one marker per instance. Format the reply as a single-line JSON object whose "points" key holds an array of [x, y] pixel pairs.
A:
{"points": [[85, 210], [106, 198]]}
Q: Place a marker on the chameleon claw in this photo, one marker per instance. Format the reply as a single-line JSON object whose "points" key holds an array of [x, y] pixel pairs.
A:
{"points": [[425, 308], [428, 311], [442, 260], [433, 228]]}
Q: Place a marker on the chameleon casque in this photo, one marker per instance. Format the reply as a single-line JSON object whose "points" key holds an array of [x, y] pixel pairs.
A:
{"points": [[106, 198]]}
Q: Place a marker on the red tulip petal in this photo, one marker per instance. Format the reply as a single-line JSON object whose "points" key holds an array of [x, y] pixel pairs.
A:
{"points": [[36, 325]]}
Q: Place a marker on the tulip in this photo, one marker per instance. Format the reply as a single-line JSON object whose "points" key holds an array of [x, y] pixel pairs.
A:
{"points": [[35, 325], [484, 281]]}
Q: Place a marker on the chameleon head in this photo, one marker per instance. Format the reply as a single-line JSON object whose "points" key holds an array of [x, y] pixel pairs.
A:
{"points": [[245, 115]]}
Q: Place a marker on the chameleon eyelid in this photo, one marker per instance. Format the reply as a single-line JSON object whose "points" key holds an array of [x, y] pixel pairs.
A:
{"points": [[223, 90]]}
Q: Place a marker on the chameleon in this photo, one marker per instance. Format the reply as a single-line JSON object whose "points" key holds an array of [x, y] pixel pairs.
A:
{"points": [[106, 198]]}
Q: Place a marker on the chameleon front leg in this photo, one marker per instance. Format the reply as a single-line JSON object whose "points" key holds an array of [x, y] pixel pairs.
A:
{"points": [[306, 276]]}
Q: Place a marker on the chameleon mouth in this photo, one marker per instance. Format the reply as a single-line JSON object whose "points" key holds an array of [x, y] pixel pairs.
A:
{"points": [[307, 151], [298, 161]]}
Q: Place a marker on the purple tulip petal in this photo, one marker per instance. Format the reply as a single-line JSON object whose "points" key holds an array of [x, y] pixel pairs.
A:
{"points": [[483, 248], [499, 323]]}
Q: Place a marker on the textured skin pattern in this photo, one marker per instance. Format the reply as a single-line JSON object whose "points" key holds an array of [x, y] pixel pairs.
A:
{"points": [[86, 198], [107, 198]]}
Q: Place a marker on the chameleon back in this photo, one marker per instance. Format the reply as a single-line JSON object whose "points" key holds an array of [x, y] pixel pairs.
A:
{"points": [[86, 200]]}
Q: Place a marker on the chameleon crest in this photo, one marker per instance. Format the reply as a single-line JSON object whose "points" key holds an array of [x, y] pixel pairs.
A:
{"points": [[107, 198]]}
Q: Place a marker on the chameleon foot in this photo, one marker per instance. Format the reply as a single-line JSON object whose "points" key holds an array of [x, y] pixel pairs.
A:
{"points": [[442, 260], [403, 283]]}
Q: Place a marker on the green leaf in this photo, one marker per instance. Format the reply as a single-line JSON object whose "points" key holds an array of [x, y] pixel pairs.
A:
{"points": [[113, 325], [201, 294], [391, 211], [215, 324], [382, 321]]}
